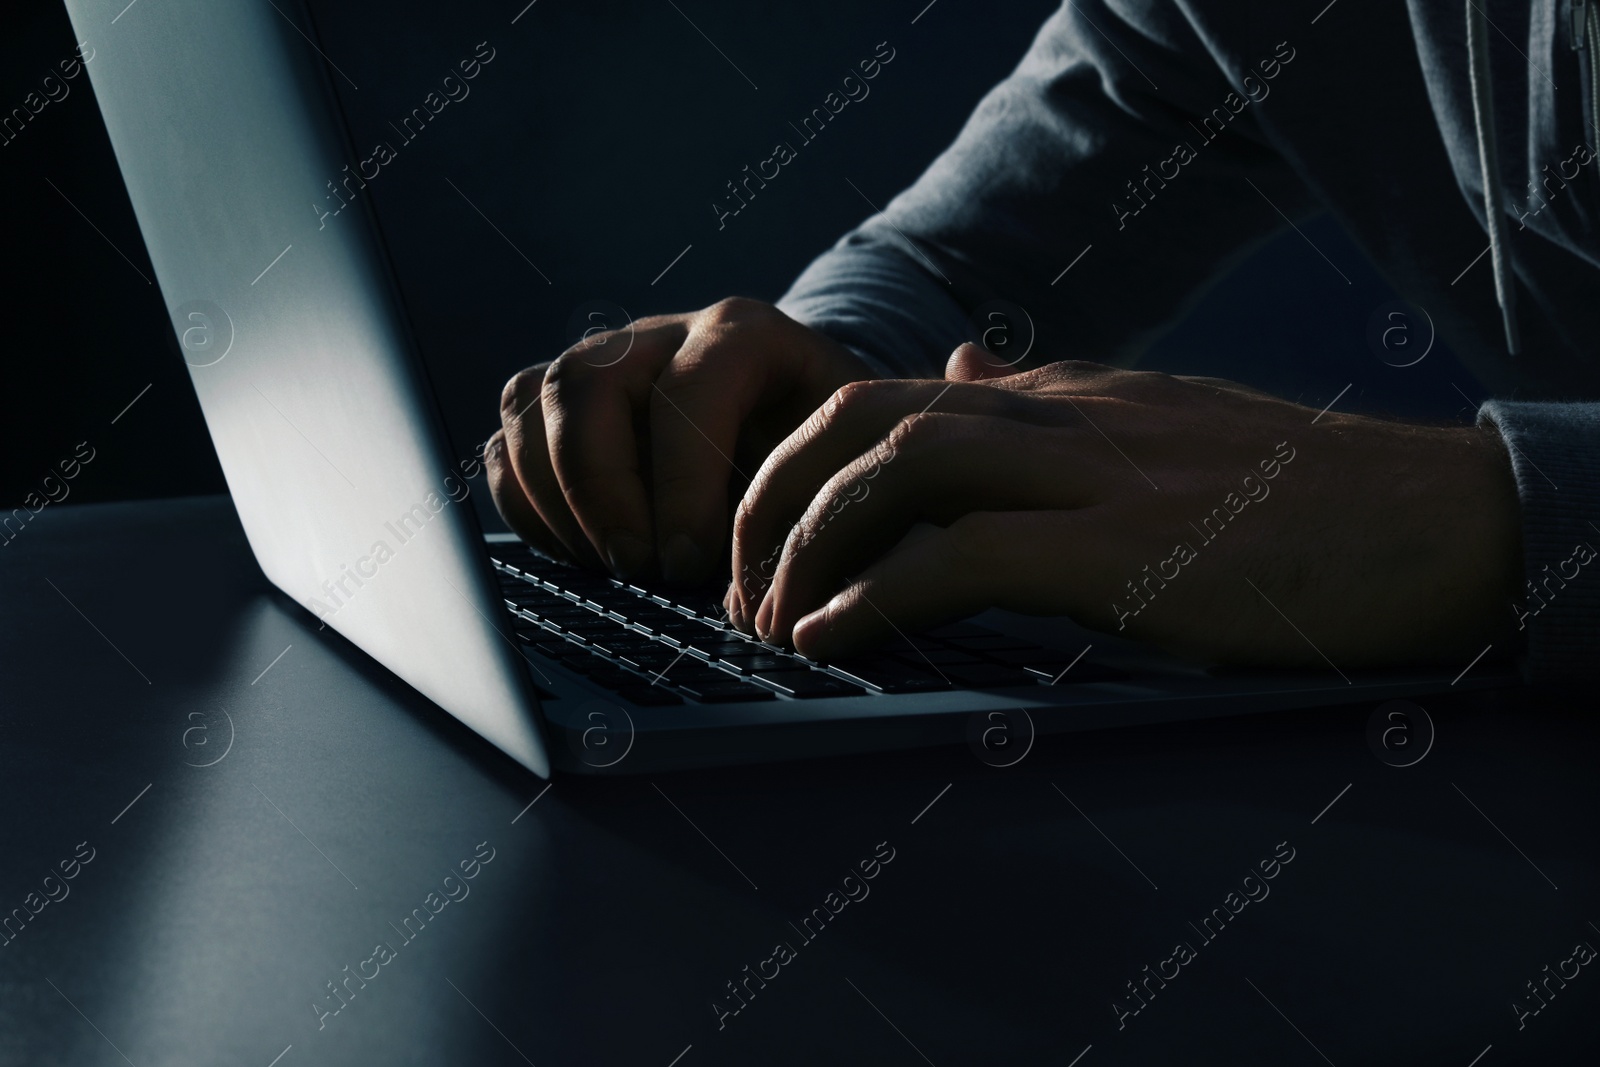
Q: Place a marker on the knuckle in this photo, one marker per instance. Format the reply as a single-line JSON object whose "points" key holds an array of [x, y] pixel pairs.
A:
{"points": [[1082, 366], [498, 473], [836, 494], [494, 452], [1061, 372], [730, 317], [523, 385], [692, 369], [1140, 379], [743, 524], [735, 308], [849, 399], [1108, 377], [559, 376], [596, 340], [673, 320], [919, 432], [804, 436], [801, 536]]}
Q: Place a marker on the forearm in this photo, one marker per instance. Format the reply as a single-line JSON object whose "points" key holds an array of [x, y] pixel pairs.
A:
{"points": [[1033, 205], [872, 297]]}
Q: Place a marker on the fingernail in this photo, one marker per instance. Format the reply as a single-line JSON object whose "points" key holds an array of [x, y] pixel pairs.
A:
{"points": [[764, 616], [741, 597], [628, 555], [681, 560], [739, 615]]}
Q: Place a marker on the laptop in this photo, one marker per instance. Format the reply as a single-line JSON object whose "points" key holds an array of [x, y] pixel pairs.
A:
{"points": [[228, 133]]}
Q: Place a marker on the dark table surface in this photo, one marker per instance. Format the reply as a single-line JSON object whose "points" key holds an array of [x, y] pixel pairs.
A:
{"points": [[248, 807]]}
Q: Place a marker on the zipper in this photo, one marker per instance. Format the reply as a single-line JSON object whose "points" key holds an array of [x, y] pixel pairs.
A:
{"points": [[1585, 38], [1593, 25]]}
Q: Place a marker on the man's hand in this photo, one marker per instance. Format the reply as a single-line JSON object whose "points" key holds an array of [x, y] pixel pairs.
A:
{"points": [[619, 453], [1196, 513]]}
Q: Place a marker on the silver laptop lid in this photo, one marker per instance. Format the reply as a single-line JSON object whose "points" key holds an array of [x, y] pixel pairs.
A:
{"points": [[227, 135]]}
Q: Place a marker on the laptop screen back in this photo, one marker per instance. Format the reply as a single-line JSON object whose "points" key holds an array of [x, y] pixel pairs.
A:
{"points": [[228, 136]]}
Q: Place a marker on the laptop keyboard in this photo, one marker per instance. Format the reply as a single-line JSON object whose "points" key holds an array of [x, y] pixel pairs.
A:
{"points": [[660, 648]]}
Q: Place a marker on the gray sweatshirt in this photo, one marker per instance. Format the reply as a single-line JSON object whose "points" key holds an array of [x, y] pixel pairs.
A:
{"points": [[1142, 147]]}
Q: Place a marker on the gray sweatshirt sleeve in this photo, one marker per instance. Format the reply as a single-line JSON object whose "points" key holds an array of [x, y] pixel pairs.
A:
{"points": [[1555, 457], [1094, 188], [1099, 188]]}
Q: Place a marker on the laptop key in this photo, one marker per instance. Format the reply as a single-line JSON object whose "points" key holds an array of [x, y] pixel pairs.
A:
{"points": [[564, 618], [626, 638], [728, 639], [700, 603], [655, 617], [554, 648], [807, 684], [713, 647], [689, 672], [556, 605], [757, 662], [525, 592], [675, 628], [594, 626], [650, 660], [583, 584]]}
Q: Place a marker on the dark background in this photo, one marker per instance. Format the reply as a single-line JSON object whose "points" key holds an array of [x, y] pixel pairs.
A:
{"points": [[595, 142]]}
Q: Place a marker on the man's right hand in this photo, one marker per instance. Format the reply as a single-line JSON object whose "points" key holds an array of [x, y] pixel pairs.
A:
{"points": [[621, 453]]}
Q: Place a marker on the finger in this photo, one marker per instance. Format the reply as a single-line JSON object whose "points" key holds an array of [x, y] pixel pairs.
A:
{"points": [[744, 367], [697, 408], [851, 421], [588, 406], [930, 468], [522, 422], [983, 560], [513, 503], [972, 363], [938, 577]]}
